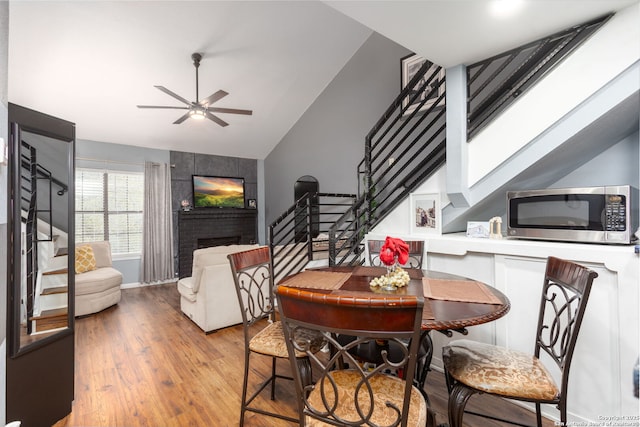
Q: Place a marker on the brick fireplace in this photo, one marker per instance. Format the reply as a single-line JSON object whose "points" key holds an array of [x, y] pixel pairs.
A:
{"points": [[202, 228], [218, 241]]}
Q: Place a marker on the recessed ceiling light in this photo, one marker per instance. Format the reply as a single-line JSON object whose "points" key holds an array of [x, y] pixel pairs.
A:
{"points": [[505, 8]]}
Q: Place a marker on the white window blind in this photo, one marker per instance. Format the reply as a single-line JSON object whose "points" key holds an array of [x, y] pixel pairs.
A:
{"points": [[109, 207]]}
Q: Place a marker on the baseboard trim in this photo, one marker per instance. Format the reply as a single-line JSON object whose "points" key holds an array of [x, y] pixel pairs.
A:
{"points": [[144, 285]]}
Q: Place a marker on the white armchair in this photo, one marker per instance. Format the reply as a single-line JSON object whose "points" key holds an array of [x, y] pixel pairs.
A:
{"points": [[209, 296], [99, 287]]}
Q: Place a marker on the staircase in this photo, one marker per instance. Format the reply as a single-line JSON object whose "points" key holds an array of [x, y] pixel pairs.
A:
{"points": [[408, 144], [45, 274], [53, 292]]}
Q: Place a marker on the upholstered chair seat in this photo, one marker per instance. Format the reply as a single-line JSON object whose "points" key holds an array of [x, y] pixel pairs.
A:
{"points": [[270, 341], [499, 370], [385, 389]]}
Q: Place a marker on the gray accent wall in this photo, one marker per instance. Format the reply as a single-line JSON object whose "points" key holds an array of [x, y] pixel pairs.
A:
{"points": [[185, 165], [328, 140], [616, 166]]}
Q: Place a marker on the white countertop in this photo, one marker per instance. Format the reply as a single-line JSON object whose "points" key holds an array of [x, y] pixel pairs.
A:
{"points": [[614, 257]]}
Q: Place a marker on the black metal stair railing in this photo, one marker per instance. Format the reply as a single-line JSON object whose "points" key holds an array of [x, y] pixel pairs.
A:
{"points": [[494, 83], [300, 234], [404, 148], [346, 235], [28, 201]]}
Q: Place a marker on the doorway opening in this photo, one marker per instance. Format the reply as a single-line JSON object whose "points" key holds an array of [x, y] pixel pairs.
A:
{"points": [[307, 185]]}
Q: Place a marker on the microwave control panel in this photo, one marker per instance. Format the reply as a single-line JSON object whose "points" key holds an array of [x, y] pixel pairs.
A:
{"points": [[615, 213]]}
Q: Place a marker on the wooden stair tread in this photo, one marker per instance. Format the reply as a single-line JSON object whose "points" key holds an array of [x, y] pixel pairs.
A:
{"points": [[51, 319], [55, 290], [48, 314], [59, 271]]}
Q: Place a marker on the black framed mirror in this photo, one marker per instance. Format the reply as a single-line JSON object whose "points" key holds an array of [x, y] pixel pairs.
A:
{"points": [[40, 263]]}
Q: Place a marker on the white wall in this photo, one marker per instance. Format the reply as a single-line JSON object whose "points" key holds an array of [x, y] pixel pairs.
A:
{"points": [[397, 223]]}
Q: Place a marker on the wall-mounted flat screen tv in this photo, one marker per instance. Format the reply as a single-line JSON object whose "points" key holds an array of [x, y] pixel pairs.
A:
{"points": [[218, 192]]}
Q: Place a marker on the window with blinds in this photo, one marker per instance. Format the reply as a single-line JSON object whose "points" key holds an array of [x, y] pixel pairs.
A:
{"points": [[109, 207]]}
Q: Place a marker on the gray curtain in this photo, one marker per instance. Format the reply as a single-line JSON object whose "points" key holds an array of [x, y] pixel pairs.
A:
{"points": [[157, 234]]}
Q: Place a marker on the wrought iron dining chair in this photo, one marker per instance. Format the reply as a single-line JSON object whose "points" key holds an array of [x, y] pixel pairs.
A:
{"points": [[416, 252], [253, 278], [357, 394], [473, 367]]}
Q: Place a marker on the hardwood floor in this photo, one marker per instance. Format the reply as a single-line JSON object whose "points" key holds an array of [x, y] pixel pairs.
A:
{"points": [[143, 363]]}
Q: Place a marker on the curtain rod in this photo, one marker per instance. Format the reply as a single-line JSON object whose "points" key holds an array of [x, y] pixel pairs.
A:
{"points": [[116, 161]]}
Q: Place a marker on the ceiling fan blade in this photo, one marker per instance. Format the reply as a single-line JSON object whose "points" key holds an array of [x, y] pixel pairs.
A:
{"points": [[216, 119], [230, 111], [173, 94], [182, 118], [213, 98], [162, 106]]}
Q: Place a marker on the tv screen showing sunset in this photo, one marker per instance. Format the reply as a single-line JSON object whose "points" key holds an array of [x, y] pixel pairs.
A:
{"points": [[218, 192]]}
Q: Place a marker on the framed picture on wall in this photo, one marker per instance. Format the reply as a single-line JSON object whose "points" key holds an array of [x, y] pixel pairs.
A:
{"points": [[252, 204], [410, 65], [425, 214]]}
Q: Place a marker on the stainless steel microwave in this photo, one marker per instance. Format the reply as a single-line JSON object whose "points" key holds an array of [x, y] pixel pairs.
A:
{"points": [[589, 214]]}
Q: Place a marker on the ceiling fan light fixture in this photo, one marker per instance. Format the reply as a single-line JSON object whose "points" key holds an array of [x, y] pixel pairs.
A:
{"points": [[197, 114]]}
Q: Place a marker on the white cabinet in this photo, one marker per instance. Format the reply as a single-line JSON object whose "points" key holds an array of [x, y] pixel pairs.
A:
{"points": [[601, 375]]}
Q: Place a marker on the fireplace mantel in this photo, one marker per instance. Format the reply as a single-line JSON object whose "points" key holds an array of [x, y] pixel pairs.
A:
{"points": [[211, 225]]}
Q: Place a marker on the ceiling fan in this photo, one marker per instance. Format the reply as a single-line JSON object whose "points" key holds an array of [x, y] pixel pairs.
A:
{"points": [[199, 109]]}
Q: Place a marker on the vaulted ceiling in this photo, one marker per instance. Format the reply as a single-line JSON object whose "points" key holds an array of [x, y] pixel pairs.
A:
{"points": [[93, 62]]}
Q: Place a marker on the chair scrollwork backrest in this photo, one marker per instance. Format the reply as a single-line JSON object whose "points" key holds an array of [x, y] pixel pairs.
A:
{"points": [[346, 391], [565, 293], [253, 277]]}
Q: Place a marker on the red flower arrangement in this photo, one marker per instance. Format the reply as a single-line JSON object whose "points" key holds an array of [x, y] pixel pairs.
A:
{"points": [[394, 250]]}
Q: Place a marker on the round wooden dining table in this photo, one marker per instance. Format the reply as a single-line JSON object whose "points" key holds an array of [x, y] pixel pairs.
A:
{"points": [[442, 312], [451, 302]]}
